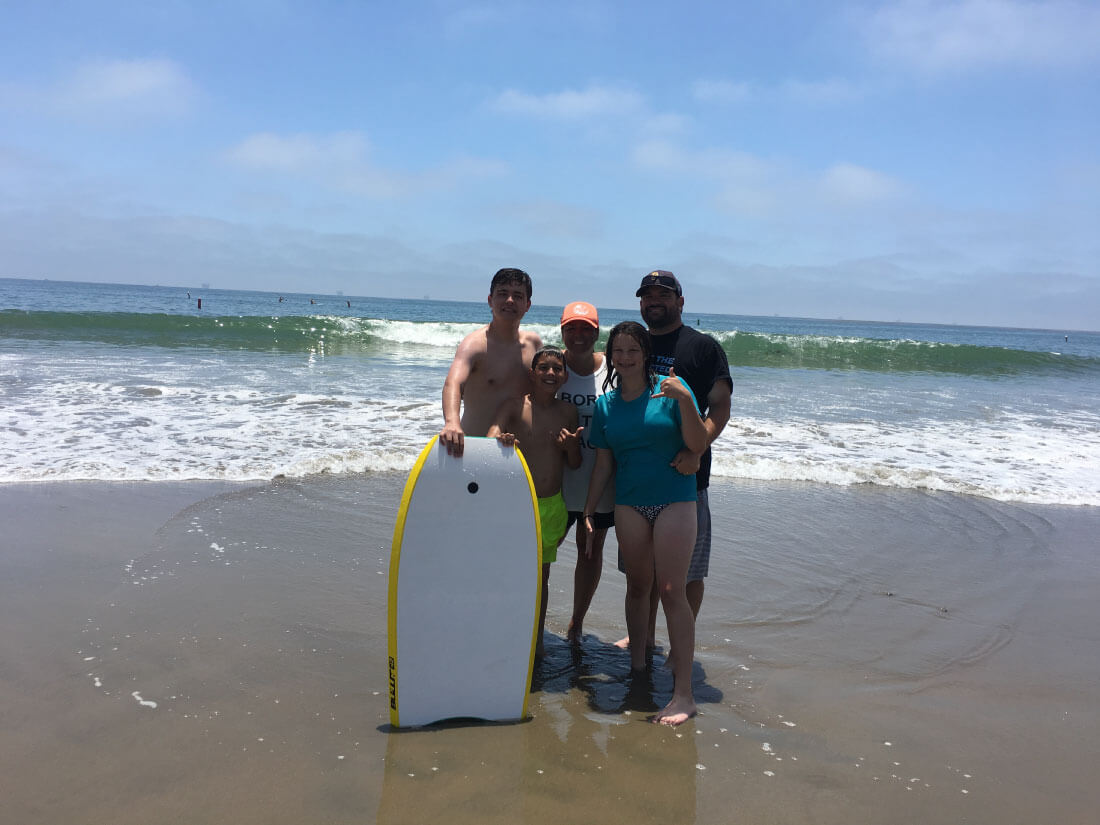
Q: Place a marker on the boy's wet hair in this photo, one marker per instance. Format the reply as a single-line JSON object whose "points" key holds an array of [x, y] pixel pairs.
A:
{"points": [[631, 329], [510, 275], [547, 352]]}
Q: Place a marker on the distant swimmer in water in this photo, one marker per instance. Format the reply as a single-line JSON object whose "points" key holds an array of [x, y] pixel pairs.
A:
{"points": [[312, 301], [349, 304], [280, 299]]}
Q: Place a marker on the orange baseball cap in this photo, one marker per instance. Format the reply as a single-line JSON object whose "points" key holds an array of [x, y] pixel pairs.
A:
{"points": [[580, 311]]}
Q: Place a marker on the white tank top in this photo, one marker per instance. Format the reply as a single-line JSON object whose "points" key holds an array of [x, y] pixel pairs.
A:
{"points": [[582, 391]]}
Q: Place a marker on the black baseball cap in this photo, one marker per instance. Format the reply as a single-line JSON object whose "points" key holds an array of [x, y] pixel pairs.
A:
{"points": [[661, 277]]}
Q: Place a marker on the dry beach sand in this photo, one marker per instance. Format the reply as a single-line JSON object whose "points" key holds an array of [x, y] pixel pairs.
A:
{"points": [[196, 652]]}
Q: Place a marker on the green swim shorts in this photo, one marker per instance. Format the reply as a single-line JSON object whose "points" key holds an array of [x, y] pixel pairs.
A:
{"points": [[555, 521]]}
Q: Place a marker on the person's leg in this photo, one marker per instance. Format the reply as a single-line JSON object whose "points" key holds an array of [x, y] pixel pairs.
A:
{"points": [[700, 555], [554, 519], [695, 596], [586, 577], [654, 603], [651, 631], [539, 649], [673, 540], [635, 536]]}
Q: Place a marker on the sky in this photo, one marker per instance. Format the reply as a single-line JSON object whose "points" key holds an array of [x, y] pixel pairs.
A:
{"points": [[916, 160]]}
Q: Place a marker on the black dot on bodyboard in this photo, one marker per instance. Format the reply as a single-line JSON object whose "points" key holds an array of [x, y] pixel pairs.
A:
{"points": [[472, 486]]}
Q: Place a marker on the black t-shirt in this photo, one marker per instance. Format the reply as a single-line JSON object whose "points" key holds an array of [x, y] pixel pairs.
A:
{"points": [[701, 362]]}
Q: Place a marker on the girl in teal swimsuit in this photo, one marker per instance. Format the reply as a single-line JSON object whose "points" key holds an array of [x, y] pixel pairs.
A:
{"points": [[638, 428]]}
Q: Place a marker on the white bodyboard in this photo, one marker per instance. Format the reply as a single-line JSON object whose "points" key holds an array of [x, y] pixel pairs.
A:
{"points": [[464, 587]]}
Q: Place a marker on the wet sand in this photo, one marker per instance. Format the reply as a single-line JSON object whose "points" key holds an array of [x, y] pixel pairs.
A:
{"points": [[216, 653]]}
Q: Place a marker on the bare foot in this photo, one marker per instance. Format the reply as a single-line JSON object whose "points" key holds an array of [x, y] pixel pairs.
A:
{"points": [[575, 633], [624, 644], [676, 712]]}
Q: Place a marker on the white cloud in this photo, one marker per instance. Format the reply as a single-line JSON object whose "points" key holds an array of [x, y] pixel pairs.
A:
{"points": [[667, 123], [300, 153], [551, 219], [753, 186], [719, 163], [846, 184], [597, 107], [461, 169], [342, 161], [744, 183], [827, 91], [594, 102], [159, 83], [507, 18], [107, 91], [172, 249], [941, 35]]}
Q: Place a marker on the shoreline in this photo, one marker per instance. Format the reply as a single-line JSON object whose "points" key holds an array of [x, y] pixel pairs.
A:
{"points": [[960, 631], [213, 485]]}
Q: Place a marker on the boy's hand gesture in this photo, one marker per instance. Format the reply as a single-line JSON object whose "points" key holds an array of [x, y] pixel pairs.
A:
{"points": [[566, 438], [508, 439]]}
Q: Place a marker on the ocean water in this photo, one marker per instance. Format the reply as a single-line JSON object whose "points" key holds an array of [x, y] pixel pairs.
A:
{"points": [[117, 382]]}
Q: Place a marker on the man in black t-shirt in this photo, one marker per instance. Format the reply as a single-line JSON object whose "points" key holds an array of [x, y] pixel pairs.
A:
{"points": [[701, 362]]}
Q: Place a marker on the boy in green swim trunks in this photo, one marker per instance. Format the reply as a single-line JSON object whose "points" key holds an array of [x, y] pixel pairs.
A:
{"points": [[545, 428]]}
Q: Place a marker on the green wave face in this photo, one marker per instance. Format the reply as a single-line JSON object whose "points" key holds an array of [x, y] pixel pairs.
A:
{"points": [[359, 336], [283, 334], [753, 349]]}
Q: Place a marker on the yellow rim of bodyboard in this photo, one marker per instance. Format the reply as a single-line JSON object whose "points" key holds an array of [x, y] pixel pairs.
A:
{"points": [[538, 578], [395, 558]]}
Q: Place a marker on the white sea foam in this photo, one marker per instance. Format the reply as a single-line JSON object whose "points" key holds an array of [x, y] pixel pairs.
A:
{"points": [[1011, 459], [437, 334], [145, 703], [94, 412], [101, 431], [446, 335]]}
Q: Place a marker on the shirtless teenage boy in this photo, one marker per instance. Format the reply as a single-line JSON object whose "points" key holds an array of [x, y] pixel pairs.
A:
{"points": [[492, 364], [545, 428]]}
